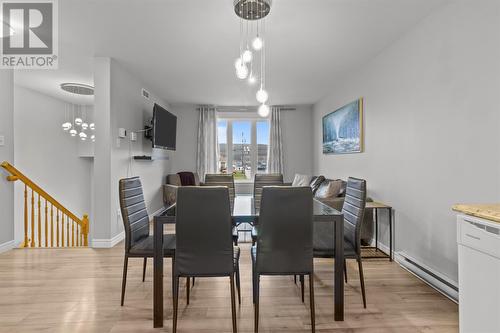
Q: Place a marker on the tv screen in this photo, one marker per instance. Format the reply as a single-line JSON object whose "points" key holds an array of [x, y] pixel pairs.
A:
{"points": [[164, 128]]}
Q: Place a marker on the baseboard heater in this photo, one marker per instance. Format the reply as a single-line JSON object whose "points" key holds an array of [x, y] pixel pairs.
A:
{"points": [[427, 275]]}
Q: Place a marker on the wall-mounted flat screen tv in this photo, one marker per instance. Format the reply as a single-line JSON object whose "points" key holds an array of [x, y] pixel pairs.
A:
{"points": [[164, 128]]}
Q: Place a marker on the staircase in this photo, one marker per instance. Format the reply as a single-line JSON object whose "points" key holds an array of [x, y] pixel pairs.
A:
{"points": [[47, 223]]}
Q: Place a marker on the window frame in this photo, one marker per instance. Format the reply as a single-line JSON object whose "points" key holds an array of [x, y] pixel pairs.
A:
{"points": [[230, 117]]}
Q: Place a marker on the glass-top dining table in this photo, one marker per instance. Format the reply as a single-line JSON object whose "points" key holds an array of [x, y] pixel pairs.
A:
{"points": [[245, 212]]}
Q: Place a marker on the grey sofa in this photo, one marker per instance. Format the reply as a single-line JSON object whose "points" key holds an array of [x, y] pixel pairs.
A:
{"points": [[173, 182]]}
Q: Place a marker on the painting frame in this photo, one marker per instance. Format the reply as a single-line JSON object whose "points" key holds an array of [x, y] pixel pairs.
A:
{"points": [[353, 145]]}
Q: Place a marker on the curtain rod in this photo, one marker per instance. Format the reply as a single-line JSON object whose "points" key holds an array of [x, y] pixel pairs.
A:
{"points": [[244, 108]]}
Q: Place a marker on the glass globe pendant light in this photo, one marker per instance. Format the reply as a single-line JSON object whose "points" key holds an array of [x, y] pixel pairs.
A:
{"points": [[242, 72], [83, 136], [92, 137], [85, 126], [92, 126], [73, 132], [257, 43], [66, 126], [264, 110], [262, 96], [78, 121], [247, 56]]}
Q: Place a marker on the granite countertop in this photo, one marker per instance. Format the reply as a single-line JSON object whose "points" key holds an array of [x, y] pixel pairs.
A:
{"points": [[489, 212]]}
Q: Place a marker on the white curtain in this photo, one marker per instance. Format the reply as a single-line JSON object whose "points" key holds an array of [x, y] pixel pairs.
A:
{"points": [[207, 155], [275, 153]]}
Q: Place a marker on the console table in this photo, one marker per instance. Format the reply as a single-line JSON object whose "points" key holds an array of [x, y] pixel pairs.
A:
{"points": [[376, 206]]}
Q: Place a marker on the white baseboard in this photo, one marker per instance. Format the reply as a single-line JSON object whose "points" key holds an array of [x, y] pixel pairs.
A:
{"points": [[433, 278], [108, 243], [7, 246]]}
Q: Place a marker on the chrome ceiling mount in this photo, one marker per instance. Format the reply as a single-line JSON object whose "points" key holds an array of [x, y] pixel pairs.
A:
{"points": [[78, 88], [252, 9]]}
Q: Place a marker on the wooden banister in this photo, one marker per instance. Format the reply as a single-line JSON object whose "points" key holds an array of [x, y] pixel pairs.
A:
{"points": [[82, 227]]}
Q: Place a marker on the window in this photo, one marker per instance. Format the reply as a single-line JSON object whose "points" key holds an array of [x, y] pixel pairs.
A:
{"points": [[243, 145], [262, 145]]}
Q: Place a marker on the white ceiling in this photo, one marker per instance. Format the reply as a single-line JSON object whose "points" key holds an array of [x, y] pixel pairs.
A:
{"points": [[184, 50]]}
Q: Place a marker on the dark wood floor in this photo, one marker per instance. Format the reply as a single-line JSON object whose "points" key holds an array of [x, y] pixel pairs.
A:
{"points": [[78, 290]]}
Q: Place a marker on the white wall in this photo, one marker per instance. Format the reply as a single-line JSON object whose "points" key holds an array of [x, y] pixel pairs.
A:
{"points": [[119, 104], [184, 158], [297, 132], [6, 154], [48, 155], [432, 122]]}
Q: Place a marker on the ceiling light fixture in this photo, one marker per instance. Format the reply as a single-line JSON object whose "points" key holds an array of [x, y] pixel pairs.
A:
{"points": [[253, 13], [76, 115]]}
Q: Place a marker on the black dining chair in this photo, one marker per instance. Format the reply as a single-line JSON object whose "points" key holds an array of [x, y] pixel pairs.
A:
{"points": [[284, 253], [204, 239], [138, 241], [228, 181], [353, 211], [261, 180]]}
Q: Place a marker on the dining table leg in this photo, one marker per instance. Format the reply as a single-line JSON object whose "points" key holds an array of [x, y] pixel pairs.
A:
{"points": [[339, 269], [158, 275]]}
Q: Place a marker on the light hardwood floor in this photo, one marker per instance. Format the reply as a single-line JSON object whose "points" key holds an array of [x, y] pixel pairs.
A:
{"points": [[78, 290]]}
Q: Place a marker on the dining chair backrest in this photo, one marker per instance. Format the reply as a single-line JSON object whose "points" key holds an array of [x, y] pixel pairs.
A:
{"points": [[353, 210], [222, 180], [261, 180], [285, 230], [134, 213], [203, 232]]}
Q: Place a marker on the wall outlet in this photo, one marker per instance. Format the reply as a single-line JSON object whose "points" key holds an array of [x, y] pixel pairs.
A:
{"points": [[133, 136]]}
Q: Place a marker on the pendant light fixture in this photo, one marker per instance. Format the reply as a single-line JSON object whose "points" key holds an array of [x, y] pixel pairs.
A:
{"points": [[254, 13], [78, 120]]}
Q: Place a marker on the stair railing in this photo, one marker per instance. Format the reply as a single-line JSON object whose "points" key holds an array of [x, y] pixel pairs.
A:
{"points": [[40, 227]]}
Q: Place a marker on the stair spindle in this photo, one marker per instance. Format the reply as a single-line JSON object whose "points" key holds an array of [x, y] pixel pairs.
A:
{"points": [[62, 229], [39, 215], [32, 218], [46, 225], [51, 225], [57, 226], [67, 231], [25, 216]]}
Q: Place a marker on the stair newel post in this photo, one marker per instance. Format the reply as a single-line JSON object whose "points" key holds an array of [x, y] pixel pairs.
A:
{"points": [[85, 230]]}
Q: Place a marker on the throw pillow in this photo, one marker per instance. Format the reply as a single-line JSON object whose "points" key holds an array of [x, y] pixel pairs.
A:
{"points": [[301, 180], [329, 189], [316, 182]]}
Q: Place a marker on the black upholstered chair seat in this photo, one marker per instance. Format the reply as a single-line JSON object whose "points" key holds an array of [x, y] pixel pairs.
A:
{"points": [[144, 247], [349, 251]]}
